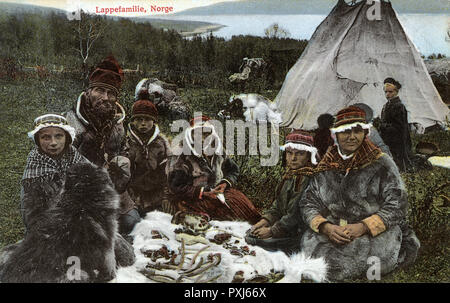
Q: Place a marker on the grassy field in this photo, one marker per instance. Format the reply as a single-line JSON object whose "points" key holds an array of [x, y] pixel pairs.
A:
{"points": [[21, 102]]}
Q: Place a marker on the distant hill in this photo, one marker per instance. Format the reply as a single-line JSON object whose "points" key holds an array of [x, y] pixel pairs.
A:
{"points": [[322, 7], [178, 25], [17, 8]]}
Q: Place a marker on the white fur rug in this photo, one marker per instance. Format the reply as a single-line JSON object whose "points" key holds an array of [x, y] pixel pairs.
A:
{"points": [[294, 268]]}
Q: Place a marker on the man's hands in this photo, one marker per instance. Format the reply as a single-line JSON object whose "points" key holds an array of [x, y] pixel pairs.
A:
{"points": [[342, 234], [261, 229], [259, 224], [263, 232]]}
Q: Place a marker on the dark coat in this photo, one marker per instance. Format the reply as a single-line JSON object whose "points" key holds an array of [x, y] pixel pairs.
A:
{"points": [[187, 174], [148, 185], [284, 214], [394, 130]]}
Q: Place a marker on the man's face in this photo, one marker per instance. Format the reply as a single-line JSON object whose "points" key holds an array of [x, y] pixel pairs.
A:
{"points": [[52, 141], [103, 100], [296, 159], [142, 123], [390, 92], [350, 140]]}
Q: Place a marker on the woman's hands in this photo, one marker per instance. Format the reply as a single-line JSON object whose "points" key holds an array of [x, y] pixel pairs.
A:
{"points": [[343, 234]]}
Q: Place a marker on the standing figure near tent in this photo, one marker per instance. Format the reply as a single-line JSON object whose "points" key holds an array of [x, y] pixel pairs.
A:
{"points": [[202, 178], [394, 126], [322, 137], [281, 226], [356, 205], [100, 134], [147, 150]]}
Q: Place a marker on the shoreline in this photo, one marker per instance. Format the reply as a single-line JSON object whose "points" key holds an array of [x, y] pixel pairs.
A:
{"points": [[202, 30]]}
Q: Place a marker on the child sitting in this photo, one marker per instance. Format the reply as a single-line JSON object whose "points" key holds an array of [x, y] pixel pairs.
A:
{"points": [[147, 150]]}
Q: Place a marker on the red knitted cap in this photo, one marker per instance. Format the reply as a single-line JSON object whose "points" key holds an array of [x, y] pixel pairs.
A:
{"points": [[144, 106], [350, 115], [300, 137], [108, 74]]}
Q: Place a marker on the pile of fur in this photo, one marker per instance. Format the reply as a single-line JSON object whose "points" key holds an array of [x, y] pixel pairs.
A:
{"points": [[81, 228], [259, 263]]}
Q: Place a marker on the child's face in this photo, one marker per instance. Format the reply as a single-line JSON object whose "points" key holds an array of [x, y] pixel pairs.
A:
{"points": [[142, 123], [52, 141], [296, 159]]}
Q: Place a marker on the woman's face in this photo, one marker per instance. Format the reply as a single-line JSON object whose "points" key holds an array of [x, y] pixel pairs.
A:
{"points": [[350, 140], [52, 141], [296, 159]]}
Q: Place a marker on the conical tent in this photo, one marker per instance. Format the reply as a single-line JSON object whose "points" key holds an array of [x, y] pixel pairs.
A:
{"points": [[346, 61]]}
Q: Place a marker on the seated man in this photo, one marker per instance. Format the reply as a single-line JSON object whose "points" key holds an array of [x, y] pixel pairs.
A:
{"points": [[147, 150], [202, 179], [281, 226], [356, 204], [99, 133]]}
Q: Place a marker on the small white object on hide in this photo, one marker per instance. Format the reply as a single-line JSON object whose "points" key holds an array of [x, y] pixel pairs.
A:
{"points": [[440, 161], [294, 268]]}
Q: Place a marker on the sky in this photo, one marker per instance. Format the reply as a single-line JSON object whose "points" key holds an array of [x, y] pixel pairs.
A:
{"points": [[91, 5]]}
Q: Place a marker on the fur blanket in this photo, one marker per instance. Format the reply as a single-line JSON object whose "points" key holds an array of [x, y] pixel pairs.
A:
{"points": [[157, 231], [76, 239]]}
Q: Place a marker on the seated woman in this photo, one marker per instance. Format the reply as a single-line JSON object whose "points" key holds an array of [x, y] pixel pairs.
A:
{"points": [[356, 204], [47, 164], [281, 226], [202, 178]]}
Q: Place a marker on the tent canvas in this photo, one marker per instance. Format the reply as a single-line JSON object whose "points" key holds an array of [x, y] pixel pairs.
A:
{"points": [[346, 61]]}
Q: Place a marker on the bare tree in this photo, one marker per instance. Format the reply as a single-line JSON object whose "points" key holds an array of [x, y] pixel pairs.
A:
{"points": [[88, 29], [275, 31]]}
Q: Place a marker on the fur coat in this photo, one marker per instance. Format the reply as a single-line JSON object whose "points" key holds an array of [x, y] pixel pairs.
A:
{"points": [[374, 194], [80, 225], [148, 185]]}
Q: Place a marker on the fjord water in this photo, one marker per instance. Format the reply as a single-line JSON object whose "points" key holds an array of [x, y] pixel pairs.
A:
{"points": [[427, 31]]}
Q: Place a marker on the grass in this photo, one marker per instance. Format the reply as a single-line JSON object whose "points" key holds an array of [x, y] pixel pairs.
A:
{"points": [[21, 102]]}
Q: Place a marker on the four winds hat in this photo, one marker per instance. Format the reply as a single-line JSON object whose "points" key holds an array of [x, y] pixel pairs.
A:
{"points": [[107, 74]]}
